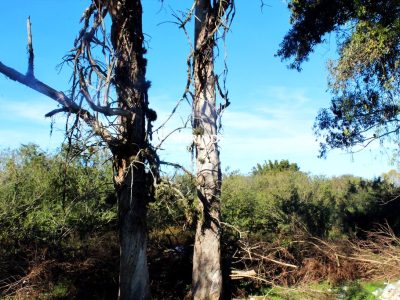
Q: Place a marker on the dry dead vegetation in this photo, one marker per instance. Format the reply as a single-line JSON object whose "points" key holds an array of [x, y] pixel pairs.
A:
{"points": [[308, 259], [44, 274], [285, 264]]}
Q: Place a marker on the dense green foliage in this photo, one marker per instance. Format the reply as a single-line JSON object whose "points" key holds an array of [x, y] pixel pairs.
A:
{"points": [[268, 204], [364, 80], [275, 166], [43, 197], [59, 239], [55, 211], [174, 205]]}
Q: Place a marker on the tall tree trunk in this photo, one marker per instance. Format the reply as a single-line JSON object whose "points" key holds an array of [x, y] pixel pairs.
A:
{"points": [[132, 206], [206, 277], [130, 176], [128, 138]]}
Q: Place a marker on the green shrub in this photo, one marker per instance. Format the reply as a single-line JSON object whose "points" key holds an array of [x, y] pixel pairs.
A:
{"points": [[276, 196], [46, 197]]}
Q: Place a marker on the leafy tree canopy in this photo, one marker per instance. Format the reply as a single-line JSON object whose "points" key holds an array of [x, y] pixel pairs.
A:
{"points": [[364, 79], [275, 166]]}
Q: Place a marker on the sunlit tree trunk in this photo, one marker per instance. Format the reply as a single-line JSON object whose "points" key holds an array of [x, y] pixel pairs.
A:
{"points": [[206, 277]]}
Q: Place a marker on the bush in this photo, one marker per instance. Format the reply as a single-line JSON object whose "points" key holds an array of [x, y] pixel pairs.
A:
{"points": [[43, 196], [51, 205], [274, 197]]}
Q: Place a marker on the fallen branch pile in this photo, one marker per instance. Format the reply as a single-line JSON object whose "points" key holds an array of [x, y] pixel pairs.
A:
{"points": [[308, 259]]}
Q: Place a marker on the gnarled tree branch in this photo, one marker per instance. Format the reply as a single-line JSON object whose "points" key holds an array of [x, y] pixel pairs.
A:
{"points": [[67, 103]]}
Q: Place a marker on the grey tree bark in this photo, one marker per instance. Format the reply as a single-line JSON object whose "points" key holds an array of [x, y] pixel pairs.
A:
{"points": [[132, 208], [206, 276], [129, 156]]}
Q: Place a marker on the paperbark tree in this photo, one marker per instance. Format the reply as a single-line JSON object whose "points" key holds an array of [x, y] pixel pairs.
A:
{"points": [[210, 16], [123, 124]]}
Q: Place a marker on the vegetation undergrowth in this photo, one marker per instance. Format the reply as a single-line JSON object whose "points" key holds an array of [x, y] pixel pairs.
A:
{"points": [[286, 234], [355, 290]]}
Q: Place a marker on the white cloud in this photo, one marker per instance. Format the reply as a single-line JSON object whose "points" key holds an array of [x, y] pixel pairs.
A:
{"points": [[23, 121], [27, 111]]}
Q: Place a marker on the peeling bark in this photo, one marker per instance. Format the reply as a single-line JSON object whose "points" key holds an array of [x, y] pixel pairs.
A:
{"points": [[206, 277]]}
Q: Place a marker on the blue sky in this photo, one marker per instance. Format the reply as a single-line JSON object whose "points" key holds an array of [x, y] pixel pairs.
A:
{"points": [[272, 108]]}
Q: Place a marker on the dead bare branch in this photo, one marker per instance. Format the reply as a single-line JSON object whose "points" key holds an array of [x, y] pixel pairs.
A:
{"points": [[55, 111], [61, 98], [178, 166], [30, 72], [107, 111]]}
